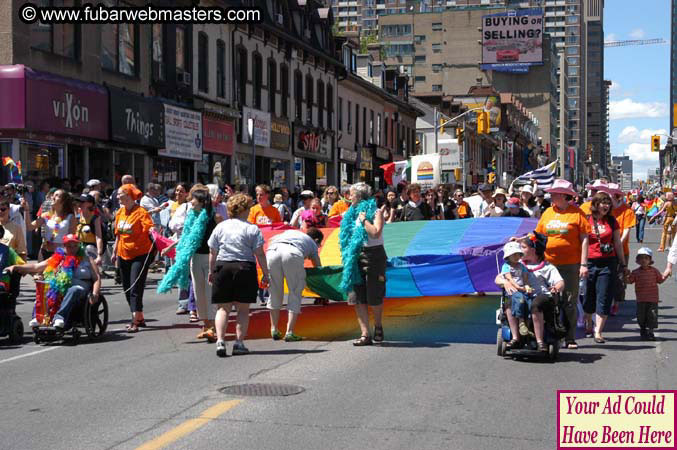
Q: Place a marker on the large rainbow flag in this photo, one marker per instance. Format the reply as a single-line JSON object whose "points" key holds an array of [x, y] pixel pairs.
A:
{"points": [[427, 258]]}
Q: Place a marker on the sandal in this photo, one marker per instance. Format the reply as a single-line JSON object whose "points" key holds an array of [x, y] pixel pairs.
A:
{"points": [[362, 341], [599, 339], [193, 317], [378, 334], [514, 343], [572, 345], [542, 347], [132, 328]]}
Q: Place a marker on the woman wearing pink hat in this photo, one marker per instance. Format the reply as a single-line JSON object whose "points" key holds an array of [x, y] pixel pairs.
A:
{"points": [[567, 249]]}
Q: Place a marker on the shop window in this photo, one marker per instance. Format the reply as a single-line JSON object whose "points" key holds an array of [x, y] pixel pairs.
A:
{"points": [[320, 103], [220, 68], [298, 95], [119, 45], [158, 67], [272, 86], [241, 76], [203, 62], [40, 161], [257, 68], [330, 107], [284, 90], [180, 35], [61, 39], [309, 99]]}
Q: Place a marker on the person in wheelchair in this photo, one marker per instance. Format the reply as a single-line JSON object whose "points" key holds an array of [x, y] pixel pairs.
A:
{"points": [[71, 275], [546, 282]]}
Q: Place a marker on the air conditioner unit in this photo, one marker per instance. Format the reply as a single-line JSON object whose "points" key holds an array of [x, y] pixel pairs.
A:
{"points": [[280, 19]]}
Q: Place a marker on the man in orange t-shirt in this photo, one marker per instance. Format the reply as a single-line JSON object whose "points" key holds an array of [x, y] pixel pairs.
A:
{"points": [[263, 213]]}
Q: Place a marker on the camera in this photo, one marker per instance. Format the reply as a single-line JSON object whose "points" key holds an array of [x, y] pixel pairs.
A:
{"points": [[606, 248], [21, 189]]}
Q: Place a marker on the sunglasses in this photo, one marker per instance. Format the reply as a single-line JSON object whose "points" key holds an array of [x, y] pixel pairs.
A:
{"points": [[3, 208]]}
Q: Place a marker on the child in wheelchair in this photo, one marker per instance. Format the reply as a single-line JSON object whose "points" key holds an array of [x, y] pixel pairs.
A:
{"points": [[531, 313]]}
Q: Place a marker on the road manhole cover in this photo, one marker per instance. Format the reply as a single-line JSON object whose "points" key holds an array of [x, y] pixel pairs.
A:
{"points": [[262, 390]]}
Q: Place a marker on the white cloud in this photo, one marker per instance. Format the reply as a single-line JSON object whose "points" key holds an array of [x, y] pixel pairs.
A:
{"points": [[629, 109], [610, 37], [615, 86], [632, 135], [637, 33]]}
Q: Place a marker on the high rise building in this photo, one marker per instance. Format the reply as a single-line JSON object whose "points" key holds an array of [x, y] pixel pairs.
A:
{"points": [[623, 166]]}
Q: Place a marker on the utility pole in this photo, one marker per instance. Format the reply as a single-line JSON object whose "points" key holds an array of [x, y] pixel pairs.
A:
{"points": [[436, 128]]}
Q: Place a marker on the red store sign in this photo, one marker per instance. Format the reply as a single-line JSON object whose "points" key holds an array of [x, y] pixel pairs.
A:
{"points": [[218, 135]]}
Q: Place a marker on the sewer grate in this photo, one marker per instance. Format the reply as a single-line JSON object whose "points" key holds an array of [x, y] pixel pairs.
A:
{"points": [[262, 390]]}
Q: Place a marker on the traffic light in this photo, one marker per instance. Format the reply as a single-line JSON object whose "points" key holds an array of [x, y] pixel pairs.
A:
{"points": [[492, 177], [459, 134], [441, 125], [655, 143], [483, 122]]}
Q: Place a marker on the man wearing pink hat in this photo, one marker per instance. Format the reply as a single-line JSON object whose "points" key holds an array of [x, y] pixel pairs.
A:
{"points": [[567, 229]]}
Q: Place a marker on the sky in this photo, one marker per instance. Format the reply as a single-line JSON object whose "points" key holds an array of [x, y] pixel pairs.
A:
{"points": [[640, 76]]}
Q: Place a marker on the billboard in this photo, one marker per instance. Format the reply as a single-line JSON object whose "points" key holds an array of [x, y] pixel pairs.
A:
{"points": [[512, 41], [490, 104]]}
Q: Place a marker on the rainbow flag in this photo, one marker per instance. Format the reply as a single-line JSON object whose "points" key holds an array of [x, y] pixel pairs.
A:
{"points": [[7, 161], [463, 257], [14, 169], [653, 207]]}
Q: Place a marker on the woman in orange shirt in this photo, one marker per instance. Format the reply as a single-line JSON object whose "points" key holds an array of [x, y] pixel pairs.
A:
{"points": [[567, 249], [134, 247]]}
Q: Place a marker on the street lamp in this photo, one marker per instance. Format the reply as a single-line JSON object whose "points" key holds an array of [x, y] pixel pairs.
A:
{"points": [[250, 129]]}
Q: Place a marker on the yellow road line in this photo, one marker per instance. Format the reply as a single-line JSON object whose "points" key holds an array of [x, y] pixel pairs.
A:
{"points": [[189, 426]]}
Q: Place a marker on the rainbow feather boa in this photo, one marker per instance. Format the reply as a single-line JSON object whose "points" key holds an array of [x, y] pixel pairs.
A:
{"points": [[59, 274], [191, 238], [351, 240]]}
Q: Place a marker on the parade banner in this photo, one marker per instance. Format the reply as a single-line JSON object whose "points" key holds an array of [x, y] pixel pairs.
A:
{"points": [[512, 40], [425, 170], [183, 133]]}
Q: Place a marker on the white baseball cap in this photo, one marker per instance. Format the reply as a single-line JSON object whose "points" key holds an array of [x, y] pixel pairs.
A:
{"points": [[93, 182], [511, 248], [645, 251]]}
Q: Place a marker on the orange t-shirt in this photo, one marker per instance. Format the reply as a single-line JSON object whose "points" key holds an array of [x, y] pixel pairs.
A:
{"points": [[585, 207], [564, 231], [338, 208], [626, 218], [132, 232], [259, 215]]}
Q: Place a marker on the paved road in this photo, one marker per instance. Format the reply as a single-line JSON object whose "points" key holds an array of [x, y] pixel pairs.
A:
{"points": [[436, 384]]}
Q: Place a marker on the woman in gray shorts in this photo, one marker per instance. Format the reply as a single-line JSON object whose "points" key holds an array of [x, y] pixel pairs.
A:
{"points": [[371, 263]]}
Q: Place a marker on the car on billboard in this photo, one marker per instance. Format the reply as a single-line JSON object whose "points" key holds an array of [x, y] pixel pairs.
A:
{"points": [[507, 55]]}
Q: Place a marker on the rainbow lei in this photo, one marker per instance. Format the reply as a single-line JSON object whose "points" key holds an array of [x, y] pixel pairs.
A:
{"points": [[59, 276]]}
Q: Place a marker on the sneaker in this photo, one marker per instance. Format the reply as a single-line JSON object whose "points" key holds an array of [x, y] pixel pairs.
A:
{"points": [[34, 323], [291, 337], [221, 349], [59, 323], [650, 336], [239, 348], [181, 310], [275, 334], [524, 330]]}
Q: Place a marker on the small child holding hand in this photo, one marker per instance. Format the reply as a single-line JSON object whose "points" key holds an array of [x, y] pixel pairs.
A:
{"points": [[646, 279]]}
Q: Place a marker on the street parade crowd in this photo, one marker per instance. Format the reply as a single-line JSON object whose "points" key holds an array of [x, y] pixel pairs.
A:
{"points": [[208, 243]]}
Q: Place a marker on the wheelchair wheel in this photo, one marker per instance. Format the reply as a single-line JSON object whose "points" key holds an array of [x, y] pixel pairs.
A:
{"points": [[16, 332], [553, 351], [96, 318], [500, 343]]}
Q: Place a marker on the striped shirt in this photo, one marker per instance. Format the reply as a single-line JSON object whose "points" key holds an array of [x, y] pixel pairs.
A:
{"points": [[646, 283]]}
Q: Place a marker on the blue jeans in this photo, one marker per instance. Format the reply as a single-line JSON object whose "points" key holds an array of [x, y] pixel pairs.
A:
{"points": [[639, 228], [73, 297], [520, 305], [600, 290]]}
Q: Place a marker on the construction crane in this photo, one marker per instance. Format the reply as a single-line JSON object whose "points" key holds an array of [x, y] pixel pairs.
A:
{"points": [[635, 42]]}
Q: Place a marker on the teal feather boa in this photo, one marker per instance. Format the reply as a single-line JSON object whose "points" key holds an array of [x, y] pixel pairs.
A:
{"points": [[191, 238], [351, 239]]}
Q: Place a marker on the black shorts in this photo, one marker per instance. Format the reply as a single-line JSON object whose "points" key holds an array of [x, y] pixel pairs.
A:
{"points": [[372, 263], [235, 281]]}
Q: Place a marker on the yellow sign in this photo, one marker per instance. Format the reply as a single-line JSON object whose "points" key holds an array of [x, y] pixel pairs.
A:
{"points": [[674, 115]]}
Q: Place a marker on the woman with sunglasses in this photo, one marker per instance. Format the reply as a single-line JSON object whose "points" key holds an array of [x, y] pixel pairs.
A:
{"points": [[89, 226], [329, 197], [463, 208], [56, 223], [14, 236]]}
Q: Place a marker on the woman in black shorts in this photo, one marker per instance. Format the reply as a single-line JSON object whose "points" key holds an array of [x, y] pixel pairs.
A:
{"points": [[235, 246]]}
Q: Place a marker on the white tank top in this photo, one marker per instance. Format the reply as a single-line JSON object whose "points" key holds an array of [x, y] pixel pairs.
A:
{"points": [[56, 229]]}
